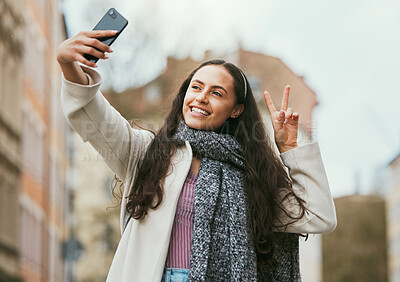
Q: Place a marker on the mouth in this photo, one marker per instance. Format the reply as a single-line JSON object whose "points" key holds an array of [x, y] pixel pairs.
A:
{"points": [[199, 111]]}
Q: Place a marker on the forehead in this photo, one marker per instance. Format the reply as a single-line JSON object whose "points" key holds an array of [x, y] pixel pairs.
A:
{"points": [[214, 75]]}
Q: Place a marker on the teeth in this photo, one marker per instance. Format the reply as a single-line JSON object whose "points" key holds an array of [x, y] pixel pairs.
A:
{"points": [[199, 111]]}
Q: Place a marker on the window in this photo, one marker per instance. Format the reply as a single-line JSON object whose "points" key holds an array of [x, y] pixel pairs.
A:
{"points": [[33, 143], [26, 235], [53, 255], [23, 230], [2, 73], [38, 162], [35, 57], [3, 206]]}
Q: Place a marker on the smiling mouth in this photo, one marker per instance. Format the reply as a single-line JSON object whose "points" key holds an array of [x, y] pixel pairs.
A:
{"points": [[200, 111]]}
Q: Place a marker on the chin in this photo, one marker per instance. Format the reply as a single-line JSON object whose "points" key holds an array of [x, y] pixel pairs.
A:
{"points": [[201, 124]]}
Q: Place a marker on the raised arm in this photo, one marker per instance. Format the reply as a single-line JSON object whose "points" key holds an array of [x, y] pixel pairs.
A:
{"points": [[89, 113], [307, 171], [310, 184]]}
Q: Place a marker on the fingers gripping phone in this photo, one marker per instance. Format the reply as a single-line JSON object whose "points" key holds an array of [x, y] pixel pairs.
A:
{"points": [[112, 20]]}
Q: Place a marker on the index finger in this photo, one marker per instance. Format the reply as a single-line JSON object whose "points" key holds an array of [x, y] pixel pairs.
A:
{"points": [[101, 33], [285, 99], [270, 104]]}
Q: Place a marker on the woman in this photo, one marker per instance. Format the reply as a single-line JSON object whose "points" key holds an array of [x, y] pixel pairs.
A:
{"points": [[206, 198]]}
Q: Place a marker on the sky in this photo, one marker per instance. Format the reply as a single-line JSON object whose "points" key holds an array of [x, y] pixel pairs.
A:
{"points": [[347, 51]]}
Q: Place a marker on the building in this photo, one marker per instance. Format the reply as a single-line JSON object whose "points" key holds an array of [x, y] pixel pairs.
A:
{"points": [[393, 220], [95, 210], [11, 92], [356, 250], [43, 198]]}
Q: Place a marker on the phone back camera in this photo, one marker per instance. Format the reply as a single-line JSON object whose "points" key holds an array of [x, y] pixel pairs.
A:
{"points": [[112, 14]]}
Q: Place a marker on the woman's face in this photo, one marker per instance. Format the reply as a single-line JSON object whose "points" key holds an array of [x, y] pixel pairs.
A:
{"points": [[210, 99]]}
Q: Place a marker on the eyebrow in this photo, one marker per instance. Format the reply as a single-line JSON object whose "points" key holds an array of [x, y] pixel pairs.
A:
{"points": [[213, 86]]}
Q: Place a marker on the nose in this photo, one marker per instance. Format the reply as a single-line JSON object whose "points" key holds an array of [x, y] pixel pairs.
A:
{"points": [[202, 97]]}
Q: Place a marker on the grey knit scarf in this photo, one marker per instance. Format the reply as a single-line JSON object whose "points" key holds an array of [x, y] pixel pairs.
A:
{"points": [[222, 249]]}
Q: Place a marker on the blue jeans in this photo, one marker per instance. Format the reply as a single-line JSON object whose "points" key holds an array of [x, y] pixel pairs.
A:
{"points": [[175, 275]]}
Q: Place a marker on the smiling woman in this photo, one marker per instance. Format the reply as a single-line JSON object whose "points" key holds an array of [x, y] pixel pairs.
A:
{"points": [[206, 198], [210, 99]]}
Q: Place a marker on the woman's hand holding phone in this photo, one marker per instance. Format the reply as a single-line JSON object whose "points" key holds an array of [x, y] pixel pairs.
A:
{"points": [[73, 50], [85, 42]]}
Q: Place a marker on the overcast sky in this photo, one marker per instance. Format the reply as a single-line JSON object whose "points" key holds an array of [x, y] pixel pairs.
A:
{"points": [[348, 52]]}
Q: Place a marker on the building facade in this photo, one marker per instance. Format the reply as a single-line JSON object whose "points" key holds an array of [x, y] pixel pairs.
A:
{"points": [[96, 212], [356, 250], [393, 220], [43, 197], [11, 92]]}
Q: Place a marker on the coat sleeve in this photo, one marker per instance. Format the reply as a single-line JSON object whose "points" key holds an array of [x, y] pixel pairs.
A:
{"points": [[96, 121], [310, 183]]}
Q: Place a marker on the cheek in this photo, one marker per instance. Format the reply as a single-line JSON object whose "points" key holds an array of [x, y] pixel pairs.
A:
{"points": [[226, 110], [186, 101], [187, 98]]}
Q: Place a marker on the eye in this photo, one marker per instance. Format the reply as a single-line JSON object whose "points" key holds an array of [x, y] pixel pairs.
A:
{"points": [[217, 93], [196, 87]]}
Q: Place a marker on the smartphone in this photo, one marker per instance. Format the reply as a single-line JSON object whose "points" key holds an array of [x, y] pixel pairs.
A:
{"points": [[112, 20]]}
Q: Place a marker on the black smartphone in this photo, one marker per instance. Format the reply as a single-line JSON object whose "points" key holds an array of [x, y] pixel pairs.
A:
{"points": [[112, 20]]}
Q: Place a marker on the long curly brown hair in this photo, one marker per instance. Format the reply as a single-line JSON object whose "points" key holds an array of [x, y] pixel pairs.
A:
{"points": [[264, 171]]}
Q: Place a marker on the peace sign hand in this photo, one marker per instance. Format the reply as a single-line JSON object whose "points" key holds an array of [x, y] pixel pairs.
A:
{"points": [[285, 122]]}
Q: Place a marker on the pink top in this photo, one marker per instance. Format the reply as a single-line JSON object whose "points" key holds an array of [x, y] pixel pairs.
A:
{"points": [[181, 236]]}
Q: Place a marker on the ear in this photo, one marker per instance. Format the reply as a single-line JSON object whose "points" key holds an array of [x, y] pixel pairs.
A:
{"points": [[237, 110]]}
